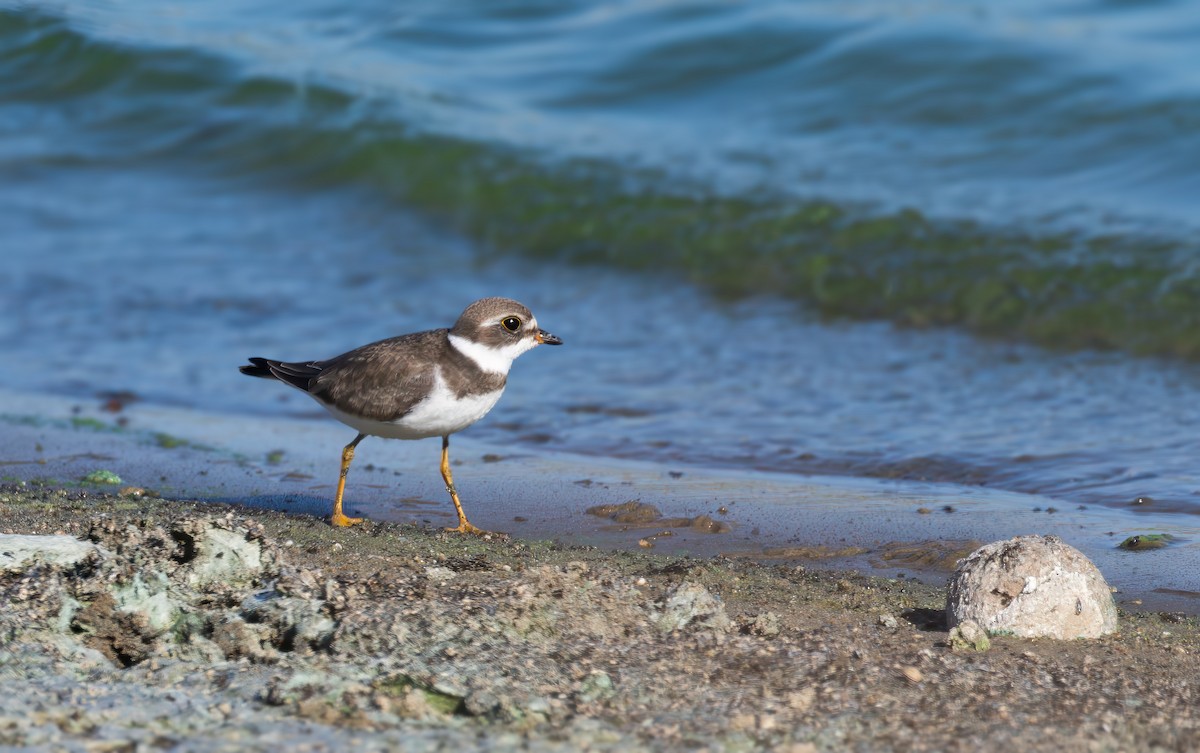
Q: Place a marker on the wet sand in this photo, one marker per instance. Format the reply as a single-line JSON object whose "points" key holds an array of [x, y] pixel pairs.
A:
{"points": [[897, 529]]}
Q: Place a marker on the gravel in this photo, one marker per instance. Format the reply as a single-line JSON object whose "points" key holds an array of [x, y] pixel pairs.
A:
{"points": [[199, 627]]}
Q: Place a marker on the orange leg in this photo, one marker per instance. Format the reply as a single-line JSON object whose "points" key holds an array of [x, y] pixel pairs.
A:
{"points": [[339, 518], [463, 525]]}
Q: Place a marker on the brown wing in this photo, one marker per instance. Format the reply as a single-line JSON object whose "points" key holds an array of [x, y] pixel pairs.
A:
{"points": [[381, 381]]}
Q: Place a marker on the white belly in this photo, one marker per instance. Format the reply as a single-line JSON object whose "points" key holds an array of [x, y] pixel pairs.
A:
{"points": [[438, 415]]}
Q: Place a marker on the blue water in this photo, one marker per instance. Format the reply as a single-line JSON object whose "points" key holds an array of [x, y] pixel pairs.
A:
{"points": [[1085, 112], [748, 221]]}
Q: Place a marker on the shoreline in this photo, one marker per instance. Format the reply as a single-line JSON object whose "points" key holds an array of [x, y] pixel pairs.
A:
{"points": [[391, 634], [895, 529]]}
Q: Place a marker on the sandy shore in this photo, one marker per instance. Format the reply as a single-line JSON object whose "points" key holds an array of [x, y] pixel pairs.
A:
{"points": [[384, 636], [719, 623], [896, 529]]}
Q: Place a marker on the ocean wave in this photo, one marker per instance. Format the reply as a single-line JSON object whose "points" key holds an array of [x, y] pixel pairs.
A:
{"points": [[92, 100]]}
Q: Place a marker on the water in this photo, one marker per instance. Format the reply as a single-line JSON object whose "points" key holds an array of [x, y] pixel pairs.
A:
{"points": [[742, 218], [1027, 171]]}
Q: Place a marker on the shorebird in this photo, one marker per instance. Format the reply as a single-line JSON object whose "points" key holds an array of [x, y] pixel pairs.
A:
{"points": [[426, 384]]}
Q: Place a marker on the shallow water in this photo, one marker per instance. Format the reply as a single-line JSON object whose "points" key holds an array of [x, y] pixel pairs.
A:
{"points": [[151, 304]]}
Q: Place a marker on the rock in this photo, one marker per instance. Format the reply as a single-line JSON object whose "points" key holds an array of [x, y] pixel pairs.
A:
{"points": [[18, 551], [151, 597], [219, 554], [236, 638], [439, 574], [968, 635], [691, 605], [1031, 586], [1146, 541], [481, 703], [597, 686], [766, 625], [300, 624], [889, 621]]}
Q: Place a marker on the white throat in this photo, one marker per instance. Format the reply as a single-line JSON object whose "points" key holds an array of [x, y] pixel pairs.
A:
{"points": [[493, 360]]}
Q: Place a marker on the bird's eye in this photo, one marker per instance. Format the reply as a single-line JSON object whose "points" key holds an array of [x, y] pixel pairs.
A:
{"points": [[511, 323]]}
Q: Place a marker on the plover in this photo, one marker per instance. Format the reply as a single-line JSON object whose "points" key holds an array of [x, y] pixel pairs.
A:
{"points": [[427, 384]]}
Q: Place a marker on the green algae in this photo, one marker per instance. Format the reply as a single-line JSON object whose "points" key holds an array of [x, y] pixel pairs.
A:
{"points": [[102, 477], [1146, 541]]}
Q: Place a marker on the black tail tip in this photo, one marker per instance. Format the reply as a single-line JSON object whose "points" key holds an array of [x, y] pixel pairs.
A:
{"points": [[258, 367]]}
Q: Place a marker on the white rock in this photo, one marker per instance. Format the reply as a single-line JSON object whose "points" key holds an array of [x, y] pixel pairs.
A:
{"points": [[1031, 586], [969, 635], [221, 555], [20, 551], [150, 596], [692, 605], [439, 574]]}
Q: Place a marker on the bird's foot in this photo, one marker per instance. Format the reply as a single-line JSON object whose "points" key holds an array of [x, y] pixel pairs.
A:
{"points": [[341, 520], [465, 527]]}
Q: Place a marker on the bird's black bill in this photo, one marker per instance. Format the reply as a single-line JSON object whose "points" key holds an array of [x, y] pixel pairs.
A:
{"points": [[545, 338]]}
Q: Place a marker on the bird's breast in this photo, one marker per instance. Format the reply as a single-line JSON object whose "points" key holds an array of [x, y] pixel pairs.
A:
{"points": [[439, 414]]}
